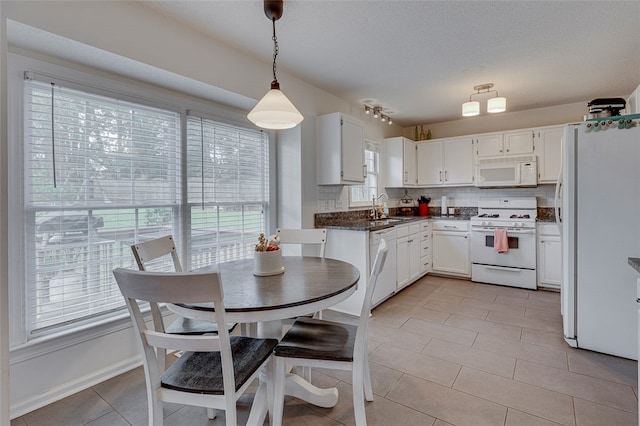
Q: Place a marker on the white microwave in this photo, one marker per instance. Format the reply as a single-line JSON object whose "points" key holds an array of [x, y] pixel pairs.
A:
{"points": [[507, 171]]}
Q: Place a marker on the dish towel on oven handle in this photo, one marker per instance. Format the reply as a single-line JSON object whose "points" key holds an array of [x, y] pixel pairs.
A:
{"points": [[500, 240]]}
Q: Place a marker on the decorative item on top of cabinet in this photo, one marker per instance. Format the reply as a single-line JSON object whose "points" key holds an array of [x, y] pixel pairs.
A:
{"points": [[400, 162], [446, 162], [340, 150]]}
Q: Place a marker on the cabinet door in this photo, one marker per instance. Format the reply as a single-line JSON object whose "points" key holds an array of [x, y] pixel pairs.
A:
{"points": [[490, 145], [451, 253], [518, 143], [458, 161], [550, 262], [548, 143], [414, 257], [430, 163], [353, 165], [409, 163], [402, 260]]}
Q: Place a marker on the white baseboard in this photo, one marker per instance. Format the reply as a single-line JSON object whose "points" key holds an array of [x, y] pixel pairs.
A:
{"points": [[75, 386]]}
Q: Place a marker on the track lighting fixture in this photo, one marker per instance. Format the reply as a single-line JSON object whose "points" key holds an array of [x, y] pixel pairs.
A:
{"points": [[377, 113]]}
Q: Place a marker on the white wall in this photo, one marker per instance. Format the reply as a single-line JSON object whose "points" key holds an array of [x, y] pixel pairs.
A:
{"points": [[4, 282], [485, 123]]}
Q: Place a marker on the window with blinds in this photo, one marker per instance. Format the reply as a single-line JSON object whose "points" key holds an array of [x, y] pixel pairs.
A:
{"points": [[101, 174], [227, 190], [361, 195]]}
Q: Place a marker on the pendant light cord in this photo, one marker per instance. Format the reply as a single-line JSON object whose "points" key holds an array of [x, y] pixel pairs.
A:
{"points": [[275, 49]]}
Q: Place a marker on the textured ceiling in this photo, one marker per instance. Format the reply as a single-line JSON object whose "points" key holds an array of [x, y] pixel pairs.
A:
{"points": [[419, 60]]}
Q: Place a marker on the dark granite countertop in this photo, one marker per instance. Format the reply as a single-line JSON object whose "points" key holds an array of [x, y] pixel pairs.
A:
{"points": [[376, 225], [635, 263]]}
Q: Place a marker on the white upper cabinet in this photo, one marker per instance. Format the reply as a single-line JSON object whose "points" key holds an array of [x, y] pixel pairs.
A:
{"points": [[430, 163], [400, 162], [518, 142], [548, 145], [340, 150], [490, 145], [446, 162]]}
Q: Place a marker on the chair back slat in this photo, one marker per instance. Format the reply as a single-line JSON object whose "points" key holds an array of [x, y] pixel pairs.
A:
{"points": [[303, 236], [363, 322], [188, 343], [170, 287], [150, 250]]}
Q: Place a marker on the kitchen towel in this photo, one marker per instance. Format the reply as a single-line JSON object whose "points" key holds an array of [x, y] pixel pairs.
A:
{"points": [[500, 240]]}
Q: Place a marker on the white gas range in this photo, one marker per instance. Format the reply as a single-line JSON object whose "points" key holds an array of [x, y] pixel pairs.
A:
{"points": [[517, 266]]}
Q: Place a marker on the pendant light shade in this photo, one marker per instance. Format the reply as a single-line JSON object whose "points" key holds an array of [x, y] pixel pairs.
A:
{"points": [[275, 110], [471, 108], [497, 104]]}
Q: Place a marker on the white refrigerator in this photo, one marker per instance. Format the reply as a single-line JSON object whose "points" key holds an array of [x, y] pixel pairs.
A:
{"points": [[600, 231]]}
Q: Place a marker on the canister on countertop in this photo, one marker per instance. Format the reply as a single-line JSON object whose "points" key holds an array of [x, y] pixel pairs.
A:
{"points": [[443, 206]]}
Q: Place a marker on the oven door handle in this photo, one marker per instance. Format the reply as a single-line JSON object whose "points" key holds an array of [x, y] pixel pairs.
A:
{"points": [[510, 231]]}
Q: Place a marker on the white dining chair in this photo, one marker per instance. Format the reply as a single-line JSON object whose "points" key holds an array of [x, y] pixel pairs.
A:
{"points": [[319, 343], [214, 370], [316, 237], [160, 254]]}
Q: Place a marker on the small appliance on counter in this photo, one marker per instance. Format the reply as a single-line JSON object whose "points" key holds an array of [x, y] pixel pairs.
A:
{"points": [[443, 205]]}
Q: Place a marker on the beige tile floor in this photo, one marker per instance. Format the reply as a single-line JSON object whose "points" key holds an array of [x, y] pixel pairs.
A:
{"points": [[442, 352]]}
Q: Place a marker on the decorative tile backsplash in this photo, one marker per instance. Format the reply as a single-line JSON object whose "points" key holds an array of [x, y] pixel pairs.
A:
{"points": [[336, 198]]}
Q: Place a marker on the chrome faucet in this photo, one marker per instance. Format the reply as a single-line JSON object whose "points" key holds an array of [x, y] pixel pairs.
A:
{"points": [[374, 211]]}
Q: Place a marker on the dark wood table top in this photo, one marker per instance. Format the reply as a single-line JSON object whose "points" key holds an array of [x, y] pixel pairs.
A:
{"points": [[308, 284]]}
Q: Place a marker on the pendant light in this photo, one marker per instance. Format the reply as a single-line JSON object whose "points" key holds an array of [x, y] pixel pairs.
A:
{"points": [[275, 110], [495, 104]]}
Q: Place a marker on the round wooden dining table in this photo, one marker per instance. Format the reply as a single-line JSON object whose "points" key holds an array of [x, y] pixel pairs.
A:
{"points": [[307, 285]]}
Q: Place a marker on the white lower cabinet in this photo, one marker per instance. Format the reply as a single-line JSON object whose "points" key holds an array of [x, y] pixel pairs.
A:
{"points": [[451, 248], [425, 248], [549, 257], [410, 253]]}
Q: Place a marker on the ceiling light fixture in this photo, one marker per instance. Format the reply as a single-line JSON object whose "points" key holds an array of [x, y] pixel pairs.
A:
{"points": [[495, 104], [275, 110], [377, 113]]}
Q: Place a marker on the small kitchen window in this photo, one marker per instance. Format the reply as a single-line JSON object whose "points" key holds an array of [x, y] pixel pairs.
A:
{"points": [[361, 195]]}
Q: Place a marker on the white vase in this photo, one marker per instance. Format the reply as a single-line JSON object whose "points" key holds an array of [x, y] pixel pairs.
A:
{"points": [[267, 263]]}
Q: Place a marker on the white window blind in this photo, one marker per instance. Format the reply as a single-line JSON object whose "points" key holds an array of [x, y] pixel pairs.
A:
{"points": [[361, 195], [117, 181], [227, 190]]}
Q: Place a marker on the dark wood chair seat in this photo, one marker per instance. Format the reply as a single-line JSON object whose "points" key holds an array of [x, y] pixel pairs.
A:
{"points": [[189, 326], [201, 372], [318, 339]]}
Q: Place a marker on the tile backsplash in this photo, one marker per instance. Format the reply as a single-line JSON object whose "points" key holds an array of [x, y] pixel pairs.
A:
{"points": [[336, 198]]}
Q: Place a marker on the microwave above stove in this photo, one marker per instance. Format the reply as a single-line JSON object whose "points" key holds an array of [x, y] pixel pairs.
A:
{"points": [[496, 172]]}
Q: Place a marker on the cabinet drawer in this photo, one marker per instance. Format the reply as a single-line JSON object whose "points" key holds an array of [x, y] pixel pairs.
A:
{"points": [[414, 229], [451, 225], [425, 250], [425, 226], [402, 231], [425, 236], [425, 264]]}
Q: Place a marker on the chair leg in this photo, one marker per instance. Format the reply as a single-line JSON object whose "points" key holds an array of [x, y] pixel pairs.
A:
{"points": [[211, 413], [368, 389], [358, 395], [278, 391]]}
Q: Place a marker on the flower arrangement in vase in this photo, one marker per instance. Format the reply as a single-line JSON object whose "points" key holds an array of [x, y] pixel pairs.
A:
{"points": [[268, 256]]}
